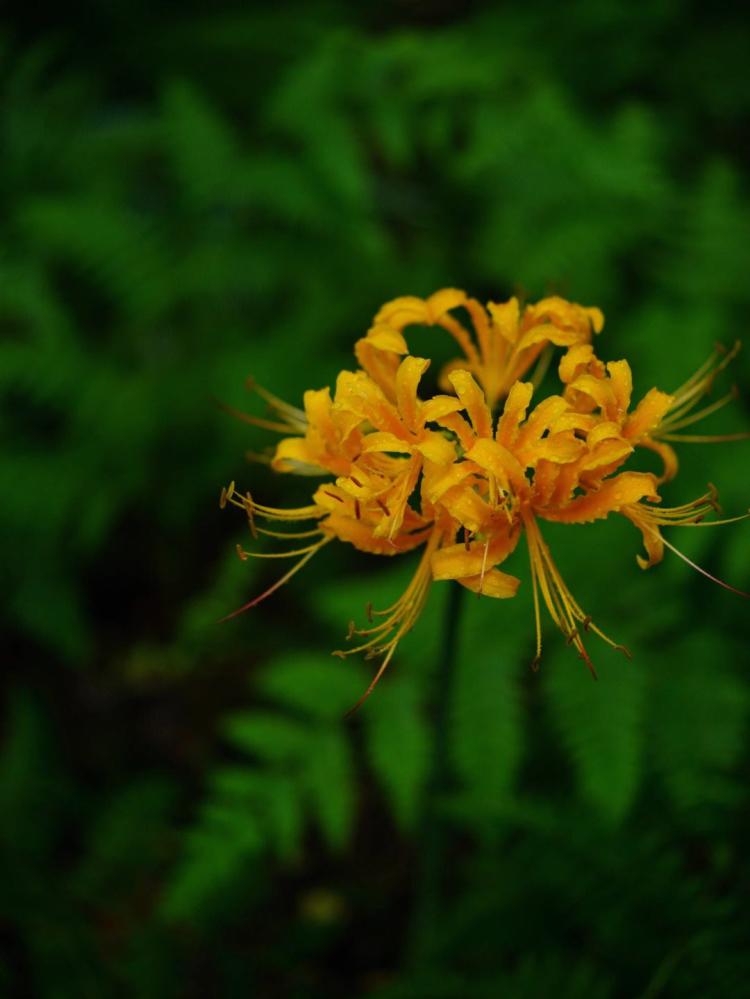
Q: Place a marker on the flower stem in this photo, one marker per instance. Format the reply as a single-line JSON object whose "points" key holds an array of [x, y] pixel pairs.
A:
{"points": [[433, 838]]}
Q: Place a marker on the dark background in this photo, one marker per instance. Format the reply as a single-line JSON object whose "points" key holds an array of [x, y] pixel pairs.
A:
{"points": [[191, 193]]}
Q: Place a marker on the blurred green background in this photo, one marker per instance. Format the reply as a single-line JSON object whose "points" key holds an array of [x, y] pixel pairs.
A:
{"points": [[191, 195]]}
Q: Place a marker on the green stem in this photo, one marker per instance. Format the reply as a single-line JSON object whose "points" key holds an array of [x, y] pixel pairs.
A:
{"points": [[432, 842]]}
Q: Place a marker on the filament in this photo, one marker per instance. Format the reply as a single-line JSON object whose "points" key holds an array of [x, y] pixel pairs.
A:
{"points": [[704, 438], [705, 572], [675, 423], [399, 618], [561, 604], [279, 582]]}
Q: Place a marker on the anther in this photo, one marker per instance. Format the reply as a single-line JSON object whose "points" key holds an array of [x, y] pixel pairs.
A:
{"points": [[587, 622], [223, 498], [355, 481], [333, 496], [369, 611], [534, 664], [242, 554], [383, 507], [357, 510], [625, 651], [467, 540], [248, 502], [713, 498], [351, 632]]}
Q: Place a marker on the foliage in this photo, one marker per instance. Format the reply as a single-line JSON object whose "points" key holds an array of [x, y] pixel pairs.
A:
{"points": [[185, 809]]}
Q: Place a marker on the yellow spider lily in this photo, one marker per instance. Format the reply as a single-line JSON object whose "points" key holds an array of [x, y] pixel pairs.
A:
{"points": [[507, 340], [466, 474]]}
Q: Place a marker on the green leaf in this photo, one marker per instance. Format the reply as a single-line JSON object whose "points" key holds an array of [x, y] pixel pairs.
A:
{"points": [[210, 866], [117, 249], [127, 837], [267, 735], [602, 727], [265, 798], [398, 746], [201, 145], [486, 733], [307, 682], [328, 777], [699, 721], [30, 783], [347, 599]]}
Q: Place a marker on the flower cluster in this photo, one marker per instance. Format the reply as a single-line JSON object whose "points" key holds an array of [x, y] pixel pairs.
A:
{"points": [[464, 474]]}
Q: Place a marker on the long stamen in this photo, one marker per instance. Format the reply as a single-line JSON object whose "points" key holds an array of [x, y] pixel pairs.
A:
{"points": [[258, 421], [373, 683], [696, 376], [249, 505], [552, 598], [542, 365], [288, 534], [279, 583], [227, 492], [650, 519], [537, 616], [561, 604], [717, 523], [484, 567], [292, 413], [675, 423], [704, 572], [392, 614], [259, 457], [704, 438], [244, 555], [701, 382], [249, 510], [585, 619], [399, 619], [688, 514]]}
